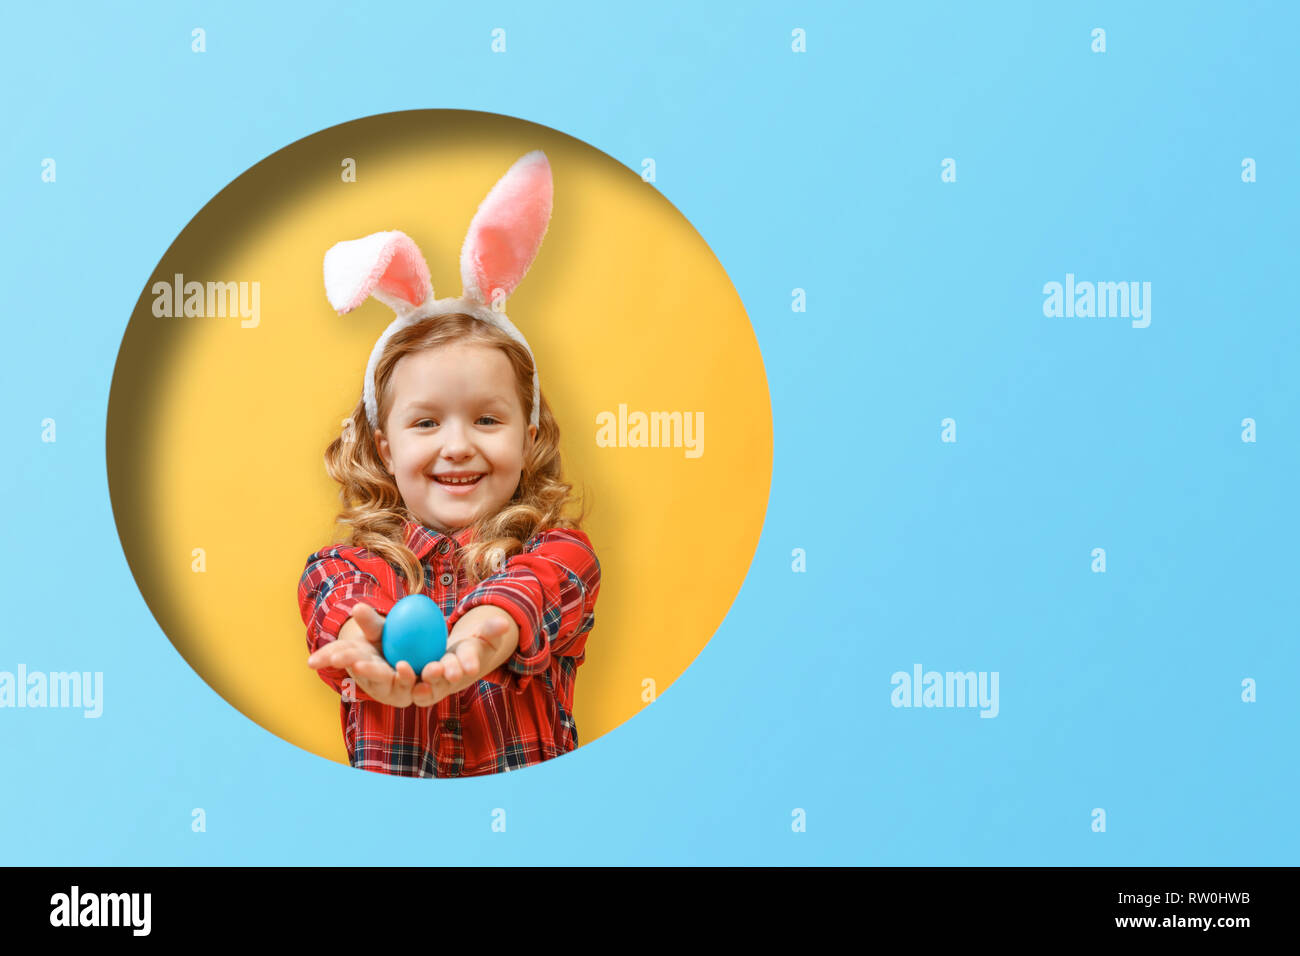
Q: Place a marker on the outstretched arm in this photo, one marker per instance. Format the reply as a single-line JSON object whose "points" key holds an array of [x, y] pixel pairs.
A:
{"points": [[549, 593], [329, 591]]}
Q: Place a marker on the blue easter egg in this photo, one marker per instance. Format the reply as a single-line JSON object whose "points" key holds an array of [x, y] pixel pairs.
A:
{"points": [[415, 631]]}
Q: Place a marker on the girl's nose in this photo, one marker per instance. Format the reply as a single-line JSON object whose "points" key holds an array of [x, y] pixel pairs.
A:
{"points": [[455, 443]]}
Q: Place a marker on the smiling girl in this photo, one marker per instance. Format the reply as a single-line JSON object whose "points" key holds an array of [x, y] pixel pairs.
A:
{"points": [[452, 487]]}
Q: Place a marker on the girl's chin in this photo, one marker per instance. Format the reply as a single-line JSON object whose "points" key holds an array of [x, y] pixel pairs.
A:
{"points": [[450, 514]]}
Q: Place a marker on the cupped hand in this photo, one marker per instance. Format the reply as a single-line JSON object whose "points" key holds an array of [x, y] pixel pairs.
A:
{"points": [[479, 643], [359, 650]]}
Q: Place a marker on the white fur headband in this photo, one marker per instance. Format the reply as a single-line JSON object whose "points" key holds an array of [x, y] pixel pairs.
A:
{"points": [[502, 242]]}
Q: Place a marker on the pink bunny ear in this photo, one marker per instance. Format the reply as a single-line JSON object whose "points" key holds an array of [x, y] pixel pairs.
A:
{"points": [[387, 265], [507, 230]]}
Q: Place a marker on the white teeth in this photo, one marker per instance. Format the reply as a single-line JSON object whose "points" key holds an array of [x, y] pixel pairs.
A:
{"points": [[460, 481]]}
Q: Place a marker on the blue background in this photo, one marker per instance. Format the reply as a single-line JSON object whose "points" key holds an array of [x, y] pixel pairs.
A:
{"points": [[819, 171]]}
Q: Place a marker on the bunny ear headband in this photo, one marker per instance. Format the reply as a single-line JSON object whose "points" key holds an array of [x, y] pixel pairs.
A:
{"points": [[501, 244]]}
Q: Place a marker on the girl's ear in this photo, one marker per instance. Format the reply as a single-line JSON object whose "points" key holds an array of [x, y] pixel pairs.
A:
{"points": [[385, 453]]}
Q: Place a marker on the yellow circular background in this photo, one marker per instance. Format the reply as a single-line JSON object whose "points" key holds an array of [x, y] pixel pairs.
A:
{"points": [[216, 431]]}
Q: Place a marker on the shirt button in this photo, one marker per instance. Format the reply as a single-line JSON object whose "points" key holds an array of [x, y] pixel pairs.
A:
{"points": [[444, 547], [446, 579]]}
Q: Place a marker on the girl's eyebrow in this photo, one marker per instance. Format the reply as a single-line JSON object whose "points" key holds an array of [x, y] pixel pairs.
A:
{"points": [[491, 401]]}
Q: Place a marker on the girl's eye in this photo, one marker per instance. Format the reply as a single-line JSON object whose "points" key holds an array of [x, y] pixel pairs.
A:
{"points": [[491, 420]]}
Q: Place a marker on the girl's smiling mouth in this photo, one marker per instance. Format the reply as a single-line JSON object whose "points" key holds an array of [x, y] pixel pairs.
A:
{"points": [[458, 483]]}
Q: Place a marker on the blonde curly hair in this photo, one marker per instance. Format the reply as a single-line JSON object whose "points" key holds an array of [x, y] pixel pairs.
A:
{"points": [[372, 506]]}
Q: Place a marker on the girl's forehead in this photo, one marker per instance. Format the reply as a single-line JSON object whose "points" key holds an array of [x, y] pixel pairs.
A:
{"points": [[471, 372], [478, 354]]}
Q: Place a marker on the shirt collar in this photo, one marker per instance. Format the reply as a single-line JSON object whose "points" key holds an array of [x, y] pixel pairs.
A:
{"points": [[422, 540]]}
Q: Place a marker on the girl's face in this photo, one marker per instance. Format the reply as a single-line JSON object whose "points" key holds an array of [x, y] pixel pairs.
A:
{"points": [[455, 413]]}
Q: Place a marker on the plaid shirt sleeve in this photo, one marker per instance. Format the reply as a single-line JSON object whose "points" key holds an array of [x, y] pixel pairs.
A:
{"points": [[550, 591], [331, 586]]}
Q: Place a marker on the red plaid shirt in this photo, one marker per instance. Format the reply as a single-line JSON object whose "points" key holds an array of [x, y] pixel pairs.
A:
{"points": [[519, 714]]}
